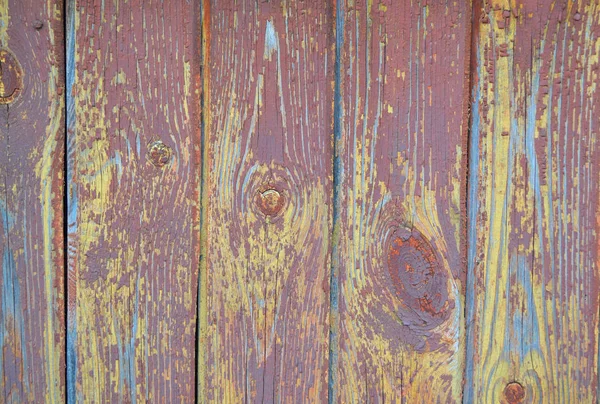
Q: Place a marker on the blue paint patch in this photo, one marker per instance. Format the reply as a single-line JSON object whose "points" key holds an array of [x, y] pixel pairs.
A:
{"points": [[71, 204], [526, 321], [8, 220], [71, 361], [127, 380], [11, 318], [472, 209], [130, 353], [271, 43], [338, 178]]}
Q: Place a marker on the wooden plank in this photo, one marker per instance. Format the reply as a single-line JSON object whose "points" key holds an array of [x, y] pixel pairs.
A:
{"points": [[32, 336], [134, 163], [533, 221], [268, 127], [402, 191]]}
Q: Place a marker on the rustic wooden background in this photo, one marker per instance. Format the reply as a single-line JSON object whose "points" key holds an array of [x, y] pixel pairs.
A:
{"points": [[299, 201]]}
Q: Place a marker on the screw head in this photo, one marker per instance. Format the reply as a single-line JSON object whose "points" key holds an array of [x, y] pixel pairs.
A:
{"points": [[38, 24], [159, 153]]}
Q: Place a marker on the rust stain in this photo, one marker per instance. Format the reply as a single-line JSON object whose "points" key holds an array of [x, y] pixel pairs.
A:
{"points": [[419, 280]]}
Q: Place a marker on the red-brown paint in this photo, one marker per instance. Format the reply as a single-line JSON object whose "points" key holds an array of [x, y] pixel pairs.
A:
{"points": [[136, 173], [404, 95], [32, 315], [268, 143]]}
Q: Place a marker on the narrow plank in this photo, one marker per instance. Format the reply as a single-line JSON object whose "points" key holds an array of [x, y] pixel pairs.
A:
{"points": [[134, 166], [268, 127], [399, 332], [533, 203], [32, 320]]}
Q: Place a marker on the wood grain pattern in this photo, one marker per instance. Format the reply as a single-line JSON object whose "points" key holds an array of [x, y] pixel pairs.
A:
{"points": [[134, 158], [32, 326], [533, 221], [400, 262], [268, 129]]}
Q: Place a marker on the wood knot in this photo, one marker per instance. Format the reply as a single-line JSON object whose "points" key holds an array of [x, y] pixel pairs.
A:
{"points": [[514, 393], [159, 153], [270, 201], [420, 281], [11, 77]]}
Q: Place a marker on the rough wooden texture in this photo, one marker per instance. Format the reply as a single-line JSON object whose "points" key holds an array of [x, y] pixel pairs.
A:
{"points": [[533, 203], [32, 327], [268, 136], [402, 187], [134, 147]]}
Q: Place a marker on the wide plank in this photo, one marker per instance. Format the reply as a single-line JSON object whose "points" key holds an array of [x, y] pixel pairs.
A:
{"points": [[533, 289], [32, 314], [267, 192], [398, 322], [134, 172]]}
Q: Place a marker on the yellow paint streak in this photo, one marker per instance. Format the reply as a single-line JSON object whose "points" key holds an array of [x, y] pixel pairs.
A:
{"points": [[508, 201], [4, 22], [45, 174], [204, 234]]}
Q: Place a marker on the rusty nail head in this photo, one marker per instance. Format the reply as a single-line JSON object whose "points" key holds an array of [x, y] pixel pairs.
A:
{"points": [[159, 153], [514, 393], [270, 201]]}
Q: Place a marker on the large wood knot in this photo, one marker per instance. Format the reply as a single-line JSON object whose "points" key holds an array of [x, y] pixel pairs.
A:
{"points": [[11, 77], [419, 279]]}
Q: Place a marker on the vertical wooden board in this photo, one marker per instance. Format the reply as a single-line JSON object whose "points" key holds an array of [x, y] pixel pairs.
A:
{"points": [[402, 188], [32, 337], [533, 203], [268, 74], [134, 166]]}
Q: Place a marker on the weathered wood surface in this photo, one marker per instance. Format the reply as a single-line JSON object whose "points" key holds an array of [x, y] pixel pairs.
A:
{"points": [[402, 188], [32, 327], [274, 195], [268, 119], [134, 169], [533, 202]]}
